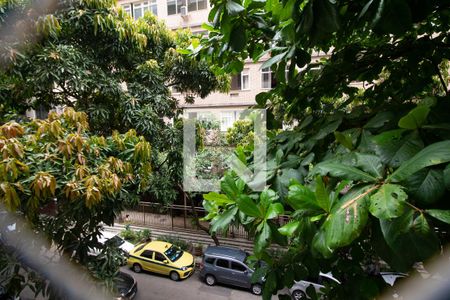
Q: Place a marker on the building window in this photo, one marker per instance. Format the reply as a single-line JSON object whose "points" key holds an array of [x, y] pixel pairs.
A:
{"points": [[174, 6], [194, 5], [226, 120], [138, 9], [241, 81], [267, 79], [127, 8]]}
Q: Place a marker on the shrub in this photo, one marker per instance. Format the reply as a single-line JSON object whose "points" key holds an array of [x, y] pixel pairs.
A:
{"points": [[174, 240]]}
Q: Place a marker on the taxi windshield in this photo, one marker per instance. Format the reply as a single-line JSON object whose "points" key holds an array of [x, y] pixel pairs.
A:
{"points": [[173, 253]]}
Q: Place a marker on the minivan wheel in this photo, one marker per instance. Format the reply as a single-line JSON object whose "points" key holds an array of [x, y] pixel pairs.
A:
{"points": [[298, 295], [257, 289], [210, 279], [137, 268], [174, 276]]}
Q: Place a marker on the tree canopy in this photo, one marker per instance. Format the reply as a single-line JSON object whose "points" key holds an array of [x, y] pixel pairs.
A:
{"points": [[363, 177], [93, 56]]}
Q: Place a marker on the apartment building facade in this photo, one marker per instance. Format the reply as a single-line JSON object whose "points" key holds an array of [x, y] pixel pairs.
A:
{"points": [[224, 107]]}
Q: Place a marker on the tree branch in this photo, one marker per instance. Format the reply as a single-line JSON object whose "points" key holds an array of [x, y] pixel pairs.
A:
{"points": [[444, 85], [196, 219]]}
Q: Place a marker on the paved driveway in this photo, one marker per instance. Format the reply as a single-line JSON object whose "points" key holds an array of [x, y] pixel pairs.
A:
{"points": [[155, 287]]}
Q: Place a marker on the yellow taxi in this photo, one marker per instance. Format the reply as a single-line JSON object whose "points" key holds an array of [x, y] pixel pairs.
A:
{"points": [[163, 258]]}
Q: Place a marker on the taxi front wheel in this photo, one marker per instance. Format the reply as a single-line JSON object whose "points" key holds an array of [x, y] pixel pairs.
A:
{"points": [[174, 276]]}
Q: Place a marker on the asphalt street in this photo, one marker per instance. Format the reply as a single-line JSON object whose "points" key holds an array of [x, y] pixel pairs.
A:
{"points": [[156, 287]]}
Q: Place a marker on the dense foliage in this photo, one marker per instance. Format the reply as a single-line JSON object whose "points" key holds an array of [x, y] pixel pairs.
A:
{"points": [[93, 56], [363, 177]]}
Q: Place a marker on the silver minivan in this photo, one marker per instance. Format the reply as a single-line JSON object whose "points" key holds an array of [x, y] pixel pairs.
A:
{"points": [[227, 265]]}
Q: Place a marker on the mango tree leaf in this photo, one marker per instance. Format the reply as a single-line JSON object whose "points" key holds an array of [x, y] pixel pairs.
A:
{"points": [[394, 148], [273, 60], [433, 154], [411, 235], [415, 118], [347, 218], [289, 228], [248, 207], [340, 170], [427, 185], [388, 202], [370, 163], [302, 198], [275, 209], [441, 215], [222, 221], [322, 196]]}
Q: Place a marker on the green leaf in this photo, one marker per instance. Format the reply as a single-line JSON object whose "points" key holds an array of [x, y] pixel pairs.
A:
{"points": [[388, 202], [344, 139], [248, 207], [411, 235], [433, 154], [262, 239], [234, 8], [370, 163], [441, 215], [347, 219], [447, 176], [415, 118], [222, 221], [238, 38], [322, 196], [289, 228], [302, 198], [218, 199], [394, 148], [273, 60], [320, 245], [380, 119], [275, 209], [228, 185], [340, 170], [427, 185]]}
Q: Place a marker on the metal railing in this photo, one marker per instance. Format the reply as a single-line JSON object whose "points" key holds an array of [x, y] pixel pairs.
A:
{"points": [[173, 217]]}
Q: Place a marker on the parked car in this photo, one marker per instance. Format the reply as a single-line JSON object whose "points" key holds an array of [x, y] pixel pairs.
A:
{"points": [[298, 290], [115, 239], [228, 265], [163, 258], [126, 286]]}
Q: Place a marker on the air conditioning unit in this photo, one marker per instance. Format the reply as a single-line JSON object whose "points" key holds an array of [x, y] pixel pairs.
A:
{"points": [[183, 11]]}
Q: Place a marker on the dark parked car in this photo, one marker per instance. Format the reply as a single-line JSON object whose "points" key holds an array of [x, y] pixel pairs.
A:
{"points": [[126, 286], [227, 265]]}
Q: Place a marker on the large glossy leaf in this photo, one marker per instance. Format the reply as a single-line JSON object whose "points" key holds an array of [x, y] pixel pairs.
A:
{"points": [[427, 186], [344, 171], [347, 218], [380, 119], [219, 199], [320, 245], [394, 147], [222, 221], [433, 154], [411, 235], [262, 239], [247, 206], [289, 228], [388, 202], [370, 163], [234, 8], [441, 215], [447, 177], [322, 195], [302, 198], [275, 209], [415, 118]]}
